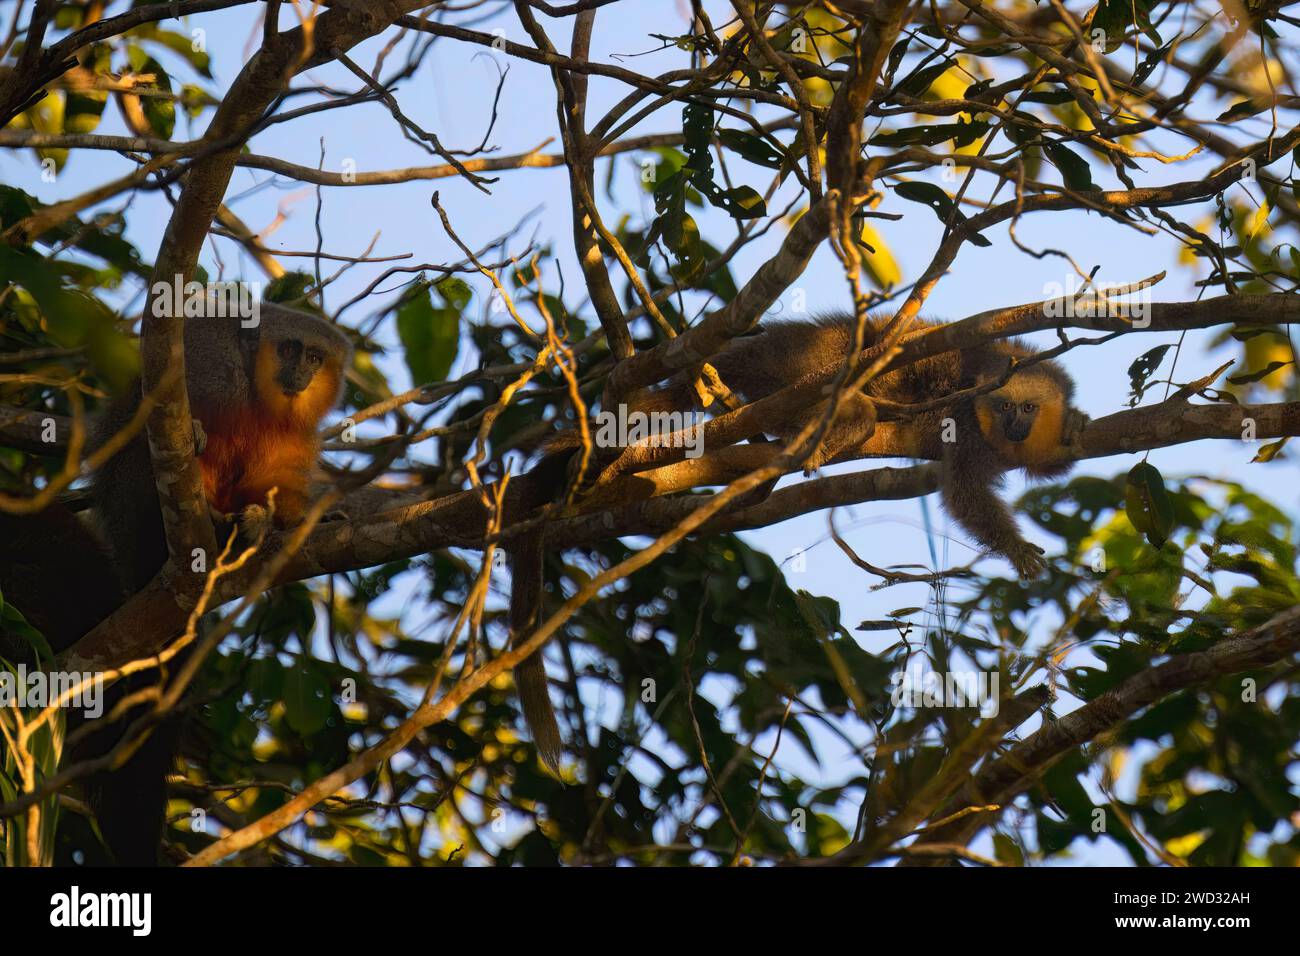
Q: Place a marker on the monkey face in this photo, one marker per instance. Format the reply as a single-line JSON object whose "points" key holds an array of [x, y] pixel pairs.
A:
{"points": [[1016, 418], [296, 365], [1022, 419], [295, 378]]}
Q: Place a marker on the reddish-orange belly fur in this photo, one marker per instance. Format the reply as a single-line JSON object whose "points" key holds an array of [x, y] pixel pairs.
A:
{"points": [[246, 456]]}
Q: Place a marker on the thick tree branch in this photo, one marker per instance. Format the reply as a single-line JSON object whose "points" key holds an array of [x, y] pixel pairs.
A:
{"points": [[26, 430], [461, 519], [1003, 778], [571, 111]]}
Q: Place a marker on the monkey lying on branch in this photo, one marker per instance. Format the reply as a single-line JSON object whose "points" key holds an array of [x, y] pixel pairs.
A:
{"points": [[1025, 422]]}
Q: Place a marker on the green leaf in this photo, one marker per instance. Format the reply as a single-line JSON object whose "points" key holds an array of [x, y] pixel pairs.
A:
{"points": [[1002, 49], [1147, 503], [46, 116], [455, 291], [962, 133], [430, 336], [742, 202], [82, 110], [1251, 377], [681, 233], [288, 612], [1006, 851], [160, 112], [307, 702], [12, 622], [15, 204], [1074, 169], [905, 611], [697, 127], [670, 161], [673, 223], [753, 148], [1270, 451], [290, 289], [1243, 109], [920, 81], [931, 195], [1149, 64], [1048, 96], [1116, 16], [101, 237], [1144, 367], [896, 55], [74, 318], [179, 44], [1023, 128], [1245, 335]]}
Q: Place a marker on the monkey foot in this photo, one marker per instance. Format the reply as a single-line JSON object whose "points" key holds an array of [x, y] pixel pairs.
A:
{"points": [[254, 524], [1028, 560]]}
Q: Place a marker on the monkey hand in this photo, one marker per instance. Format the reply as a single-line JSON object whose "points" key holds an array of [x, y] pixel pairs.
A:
{"points": [[820, 456], [1027, 559], [1074, 424], [222, 522], [254, 524], [200, 436], [853, 425]]}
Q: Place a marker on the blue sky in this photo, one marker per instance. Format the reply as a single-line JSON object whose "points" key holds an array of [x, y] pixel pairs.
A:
{"points": [[452, 95]]}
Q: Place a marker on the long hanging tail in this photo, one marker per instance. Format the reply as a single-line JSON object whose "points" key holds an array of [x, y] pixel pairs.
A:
{"points": [[530, 674]]}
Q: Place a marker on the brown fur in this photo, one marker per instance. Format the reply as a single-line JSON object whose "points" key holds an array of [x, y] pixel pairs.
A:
{"points": [[270, 444], [259, 409], [780, 354], [526, 566], [257, 435]]}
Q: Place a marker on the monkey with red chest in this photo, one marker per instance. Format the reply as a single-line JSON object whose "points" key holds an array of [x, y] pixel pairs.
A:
{"points": [[271, 442], [258, 395]]}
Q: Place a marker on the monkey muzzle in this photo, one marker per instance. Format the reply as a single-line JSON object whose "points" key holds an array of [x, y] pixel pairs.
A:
{"points": [[1016, 425], [293, 383]]}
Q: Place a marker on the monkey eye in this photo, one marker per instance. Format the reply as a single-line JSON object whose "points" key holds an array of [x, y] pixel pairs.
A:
{"points": [[1007, 406], [288, 349], [314, 357], [1029, 406]]}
